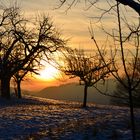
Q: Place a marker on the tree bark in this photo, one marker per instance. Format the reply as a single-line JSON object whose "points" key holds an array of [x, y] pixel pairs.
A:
{"points": [[132, 115], [132, 4], [5, 87], [85, 96], [19, 90]]}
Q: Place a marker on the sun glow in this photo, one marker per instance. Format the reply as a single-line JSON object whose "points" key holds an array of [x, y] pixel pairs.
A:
{"points": [[49, 73]]}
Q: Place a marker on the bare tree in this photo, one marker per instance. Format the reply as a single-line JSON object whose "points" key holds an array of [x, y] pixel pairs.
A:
{"points": [[20, 76], [31, 67], [35, 39], [88, 69], [124, 97], [134, 4], [123, 37], [123, 92]]}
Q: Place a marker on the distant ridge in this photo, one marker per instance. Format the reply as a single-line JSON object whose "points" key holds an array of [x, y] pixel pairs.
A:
{"points": [[74, 92]]}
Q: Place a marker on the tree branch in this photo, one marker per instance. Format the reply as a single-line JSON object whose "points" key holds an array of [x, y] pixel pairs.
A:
{"points": [[132, 4]]}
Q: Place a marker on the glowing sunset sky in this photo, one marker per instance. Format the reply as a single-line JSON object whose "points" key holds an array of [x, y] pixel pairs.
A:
{"points": [[73, 24]]}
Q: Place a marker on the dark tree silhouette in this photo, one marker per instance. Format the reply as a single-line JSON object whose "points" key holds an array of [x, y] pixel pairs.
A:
{"points": [[123, 92], [128, 36], [135, 5], [32, 67], [20, 76], [124, 97], [88, 69], [35, 39]]}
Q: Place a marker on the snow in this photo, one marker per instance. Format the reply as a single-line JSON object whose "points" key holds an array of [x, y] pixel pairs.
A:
{"points": [[47, 119]]}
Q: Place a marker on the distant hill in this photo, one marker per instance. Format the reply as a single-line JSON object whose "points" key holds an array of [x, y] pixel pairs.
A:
{"points": [[74, 92]]}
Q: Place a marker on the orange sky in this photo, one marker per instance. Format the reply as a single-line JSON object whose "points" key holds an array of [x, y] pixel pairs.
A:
{"points": [[38, 84], [73, 24]]}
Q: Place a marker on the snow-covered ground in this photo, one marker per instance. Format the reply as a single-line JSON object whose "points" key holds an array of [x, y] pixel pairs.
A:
{"points": [[45, 119]]}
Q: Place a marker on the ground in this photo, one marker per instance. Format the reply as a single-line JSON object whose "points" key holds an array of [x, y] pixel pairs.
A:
{"points": [[43, 119]]}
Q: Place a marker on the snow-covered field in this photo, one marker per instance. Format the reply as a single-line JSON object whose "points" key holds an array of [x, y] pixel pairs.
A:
{"points": [[43, 119]]}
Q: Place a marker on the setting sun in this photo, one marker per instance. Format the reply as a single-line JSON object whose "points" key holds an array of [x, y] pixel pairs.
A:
{"points": [[49, 73]]}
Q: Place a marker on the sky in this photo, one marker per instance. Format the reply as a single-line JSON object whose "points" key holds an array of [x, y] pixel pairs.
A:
{"points": [[73, 24], [68, 23]]}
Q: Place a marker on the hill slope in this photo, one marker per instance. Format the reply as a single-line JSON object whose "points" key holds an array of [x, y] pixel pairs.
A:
{"points": [[43, 119], [74, 92]]}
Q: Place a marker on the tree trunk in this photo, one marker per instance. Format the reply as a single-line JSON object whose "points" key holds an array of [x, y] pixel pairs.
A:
{"points": [[132, 115], [5, 87], [85, 96], [19, 89], [131, 3]]}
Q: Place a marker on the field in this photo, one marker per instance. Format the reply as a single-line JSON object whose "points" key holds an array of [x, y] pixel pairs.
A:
{"points": [[33, 118]]}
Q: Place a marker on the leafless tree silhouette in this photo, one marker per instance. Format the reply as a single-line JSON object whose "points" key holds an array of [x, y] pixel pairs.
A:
{"points": [[88, 69], [126, 44], [126, 34], [35, 39], [123, 92], [134, 4], [31, 67]]}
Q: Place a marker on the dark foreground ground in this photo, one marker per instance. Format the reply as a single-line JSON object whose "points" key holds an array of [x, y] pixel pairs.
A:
{"points": [[43, 119]]}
